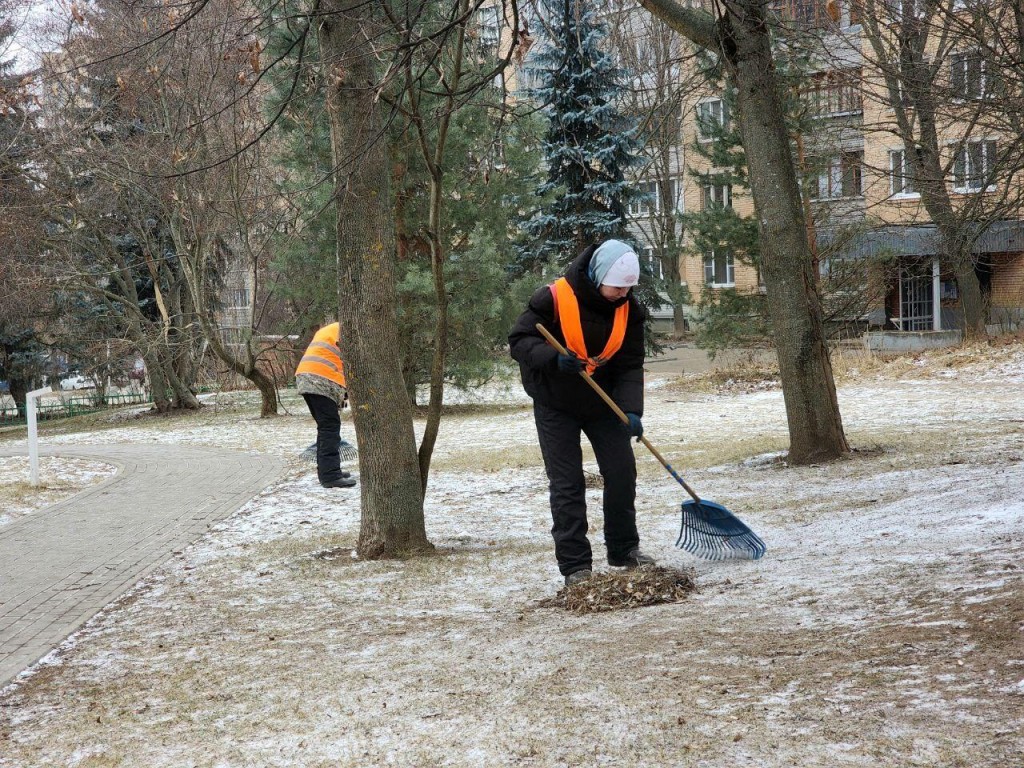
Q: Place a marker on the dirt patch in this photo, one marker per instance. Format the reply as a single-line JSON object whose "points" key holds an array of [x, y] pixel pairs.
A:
{"points": [[883, 628]]}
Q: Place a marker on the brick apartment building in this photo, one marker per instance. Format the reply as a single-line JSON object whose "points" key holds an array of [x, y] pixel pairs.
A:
{"points": [[857, 175], [861, 191]]}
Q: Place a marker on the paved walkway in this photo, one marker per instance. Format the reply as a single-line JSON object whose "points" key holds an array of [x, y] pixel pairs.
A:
{"points": [[61, 565]]}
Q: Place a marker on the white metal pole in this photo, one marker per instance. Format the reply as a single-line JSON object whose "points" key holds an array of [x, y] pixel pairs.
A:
{"points": [[33, 438], [899, 295]]}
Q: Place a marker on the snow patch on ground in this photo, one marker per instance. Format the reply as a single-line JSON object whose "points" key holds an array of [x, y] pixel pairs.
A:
{"points": [[882, 627]]}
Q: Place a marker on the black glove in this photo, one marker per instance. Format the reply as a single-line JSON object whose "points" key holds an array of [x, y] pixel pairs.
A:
{"points": [[635, 426], [569, 363]]}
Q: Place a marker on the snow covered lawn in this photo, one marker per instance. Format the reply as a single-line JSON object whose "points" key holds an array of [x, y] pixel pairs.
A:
{"points": [[58, 479], [884, 627]]}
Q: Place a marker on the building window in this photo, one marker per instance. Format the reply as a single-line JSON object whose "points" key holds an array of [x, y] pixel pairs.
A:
{"points": [[973, 166], [717, 196], [969, 76], [901, 177], [813, 13], [648, 257], [855, 12], [647, 202], [840, 176], [529, 79], [902, 97], [677, 196], [650, 201], [899, 9], [718, 269], [488, 29], [239, 297], [712, 119], [836, 93]]}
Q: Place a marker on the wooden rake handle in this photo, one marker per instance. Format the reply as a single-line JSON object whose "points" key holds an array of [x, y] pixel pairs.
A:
{"points": [[618, 411]]}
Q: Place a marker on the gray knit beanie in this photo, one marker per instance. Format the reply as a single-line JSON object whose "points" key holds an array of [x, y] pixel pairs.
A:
{"points": [[614, 263]]}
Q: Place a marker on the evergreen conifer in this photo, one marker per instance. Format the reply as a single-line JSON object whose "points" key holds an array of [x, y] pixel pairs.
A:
{"points": [[589, 146]]}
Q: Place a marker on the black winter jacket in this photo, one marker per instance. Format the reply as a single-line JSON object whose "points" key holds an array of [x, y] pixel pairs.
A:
{"points": [[622, 377]]}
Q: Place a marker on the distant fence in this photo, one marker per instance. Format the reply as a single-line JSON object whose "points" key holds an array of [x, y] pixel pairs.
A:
{"points": [[66, 407]]}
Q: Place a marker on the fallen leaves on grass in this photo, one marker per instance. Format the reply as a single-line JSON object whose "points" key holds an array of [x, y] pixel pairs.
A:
{"points": [[625, 589]]}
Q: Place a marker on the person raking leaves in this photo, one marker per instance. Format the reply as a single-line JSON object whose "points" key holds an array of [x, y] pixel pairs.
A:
{"points": [[591, 310], [320, 379]]}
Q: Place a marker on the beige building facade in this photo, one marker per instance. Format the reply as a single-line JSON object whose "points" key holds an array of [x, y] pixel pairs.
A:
{"points": [[857, 176], [856, 171]]}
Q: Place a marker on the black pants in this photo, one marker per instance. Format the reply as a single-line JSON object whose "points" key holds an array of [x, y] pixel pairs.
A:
{"points": [[328, 436], [559, 435]]}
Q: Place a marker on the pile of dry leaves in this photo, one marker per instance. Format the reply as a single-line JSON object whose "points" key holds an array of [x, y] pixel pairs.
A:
{"points": [[625, 589]]}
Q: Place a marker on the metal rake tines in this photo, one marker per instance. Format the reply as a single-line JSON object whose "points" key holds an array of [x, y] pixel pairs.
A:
{"points": [[346, 450], [710, 531]]}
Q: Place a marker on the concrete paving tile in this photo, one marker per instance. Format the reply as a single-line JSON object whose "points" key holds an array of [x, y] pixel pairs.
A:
{"points": [[63, 564]]}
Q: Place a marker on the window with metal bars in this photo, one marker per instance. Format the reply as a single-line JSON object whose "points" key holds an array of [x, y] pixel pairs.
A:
{"points": [[916, 300]]}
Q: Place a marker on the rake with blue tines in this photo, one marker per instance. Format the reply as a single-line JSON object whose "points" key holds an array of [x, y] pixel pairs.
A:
{"points": [[708, 530], [346, 450]]}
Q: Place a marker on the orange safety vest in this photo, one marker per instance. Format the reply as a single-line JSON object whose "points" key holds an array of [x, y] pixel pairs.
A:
{"points": [[567, 312], [322, 357]]}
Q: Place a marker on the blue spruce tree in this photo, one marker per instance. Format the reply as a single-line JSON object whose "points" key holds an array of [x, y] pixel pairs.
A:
{"points": [[588, 146]]}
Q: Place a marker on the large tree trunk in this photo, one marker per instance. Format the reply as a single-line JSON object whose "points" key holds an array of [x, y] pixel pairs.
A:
{"points": [[195, 269], [956, 244], [742, 36], [678, 319], [158, 385], [392, 498], [815, 425]]}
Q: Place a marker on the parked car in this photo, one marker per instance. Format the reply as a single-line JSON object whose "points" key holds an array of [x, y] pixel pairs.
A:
{"points": [[77, 381]]}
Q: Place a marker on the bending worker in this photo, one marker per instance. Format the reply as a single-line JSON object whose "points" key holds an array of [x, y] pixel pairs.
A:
{"points": [[592, 311], [320, 379]]}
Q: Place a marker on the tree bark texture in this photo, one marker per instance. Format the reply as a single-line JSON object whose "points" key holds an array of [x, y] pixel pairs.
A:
{"points": [[742, 37], [392, 521], [812, 408]]}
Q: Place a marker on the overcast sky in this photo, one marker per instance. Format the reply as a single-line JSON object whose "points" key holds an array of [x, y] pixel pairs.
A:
{"points": [[31, 18]]}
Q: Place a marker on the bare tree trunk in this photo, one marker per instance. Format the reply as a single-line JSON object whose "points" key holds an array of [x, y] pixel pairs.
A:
{"points": [[19, 389], [742, 36], [434, 159], [157, 382], [678, 319], [196, 268], [392, 497], [904, 57], [935, 198]]}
